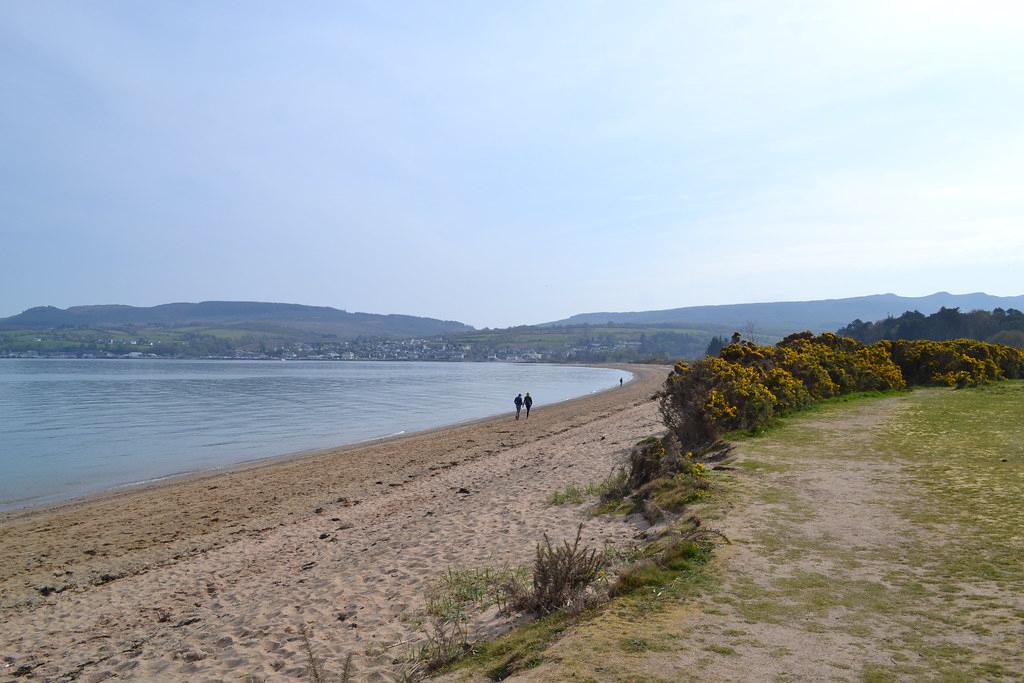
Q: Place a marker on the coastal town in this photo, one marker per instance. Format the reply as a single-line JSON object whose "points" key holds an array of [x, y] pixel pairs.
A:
{"points": [[373, 349]]}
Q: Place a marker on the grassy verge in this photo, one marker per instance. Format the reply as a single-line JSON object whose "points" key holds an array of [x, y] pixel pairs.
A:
{"points": [[818, 407], [520, 648], [964, 453]]}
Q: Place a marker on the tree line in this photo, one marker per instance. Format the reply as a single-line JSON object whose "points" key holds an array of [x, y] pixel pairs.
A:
{"points": [[998, 326]]}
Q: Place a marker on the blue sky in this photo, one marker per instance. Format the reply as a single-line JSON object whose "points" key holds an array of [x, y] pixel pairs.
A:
{"points": [[508, 163]]}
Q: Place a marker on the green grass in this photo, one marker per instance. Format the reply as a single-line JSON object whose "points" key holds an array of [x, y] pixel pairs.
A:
{"points": [[958, 563], [460, 591], [971, 469], [520, 648], [634, 645], [622, 507], [758, 466], [826, 405], [569, 495], [233, 334], [610, 491]]}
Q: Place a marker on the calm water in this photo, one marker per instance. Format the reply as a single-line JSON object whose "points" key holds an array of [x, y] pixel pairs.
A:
{"points": [[70, 427]]}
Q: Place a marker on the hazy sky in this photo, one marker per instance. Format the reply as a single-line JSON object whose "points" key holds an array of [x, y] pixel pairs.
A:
{"points": [[506, 163]]}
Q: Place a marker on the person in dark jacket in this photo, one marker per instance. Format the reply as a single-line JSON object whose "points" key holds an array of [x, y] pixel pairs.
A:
{"points": [[528, 402], [519, 404]]}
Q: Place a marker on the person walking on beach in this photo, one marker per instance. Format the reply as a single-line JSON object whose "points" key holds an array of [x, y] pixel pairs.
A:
{"points": [[528, 401], [519, 404]]}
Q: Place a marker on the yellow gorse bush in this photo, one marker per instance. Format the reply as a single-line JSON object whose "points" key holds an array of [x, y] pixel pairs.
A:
{"points": [[747, 384], [960, 362]]}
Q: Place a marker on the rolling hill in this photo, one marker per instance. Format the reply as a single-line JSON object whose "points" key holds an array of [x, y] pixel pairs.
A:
{"points": [[785, 317], [247, 315]]}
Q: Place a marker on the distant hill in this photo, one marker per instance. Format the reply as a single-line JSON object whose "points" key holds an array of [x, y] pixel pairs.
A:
{"points": [[784, 317], [250, 315]]}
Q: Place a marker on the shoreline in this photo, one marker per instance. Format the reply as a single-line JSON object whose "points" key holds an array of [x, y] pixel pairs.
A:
{"points": [[73, 546], [14, 506], [173, 478]]}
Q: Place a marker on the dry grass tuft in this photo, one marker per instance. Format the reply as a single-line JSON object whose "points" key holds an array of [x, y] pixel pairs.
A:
{"points": [[446, 641], [347, 670], [314, 665]]}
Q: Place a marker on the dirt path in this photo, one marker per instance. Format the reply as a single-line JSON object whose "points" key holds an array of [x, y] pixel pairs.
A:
{"points": [[876, 541]]}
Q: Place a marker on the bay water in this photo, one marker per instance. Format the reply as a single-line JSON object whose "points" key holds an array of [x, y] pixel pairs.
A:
{"points": [[74, 427]]}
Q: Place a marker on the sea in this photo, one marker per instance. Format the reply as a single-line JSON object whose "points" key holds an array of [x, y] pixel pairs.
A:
{"points": [[74, 427]]}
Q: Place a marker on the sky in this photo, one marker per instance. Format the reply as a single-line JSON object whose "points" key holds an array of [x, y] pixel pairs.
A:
{"points": [[506, 163]]}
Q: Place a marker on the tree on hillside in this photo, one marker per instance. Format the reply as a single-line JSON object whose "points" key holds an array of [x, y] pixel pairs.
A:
{"points": [[1009, 338], [947, 323], [716, 345]]}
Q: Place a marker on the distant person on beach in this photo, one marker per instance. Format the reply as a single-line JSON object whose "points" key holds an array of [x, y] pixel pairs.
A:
{"points": [[519, 404], [620, 381], [528, 401]]}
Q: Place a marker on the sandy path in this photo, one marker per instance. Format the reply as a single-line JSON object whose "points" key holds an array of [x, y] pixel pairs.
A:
{"points": [[216, 574], [844, 567]]}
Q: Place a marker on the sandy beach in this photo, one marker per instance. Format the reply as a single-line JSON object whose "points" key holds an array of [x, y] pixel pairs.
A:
{"points": [[212, 576]]}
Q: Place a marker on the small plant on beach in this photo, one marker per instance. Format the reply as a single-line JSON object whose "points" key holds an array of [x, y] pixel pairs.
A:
{"points": [[461, 591], [561, 576], [620, 556], [314, 665], [569, 495], [610, 492], [615, 487], [446, 641], [657, 458], [347, 669], [451, 602], [615, 494]]}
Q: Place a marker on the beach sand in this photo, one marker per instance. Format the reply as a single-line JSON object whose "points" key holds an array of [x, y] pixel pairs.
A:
{"points": [[213, 576]]}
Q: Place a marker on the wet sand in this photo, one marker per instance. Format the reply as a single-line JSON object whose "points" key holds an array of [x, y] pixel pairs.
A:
{"points": [[211, 576]]}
